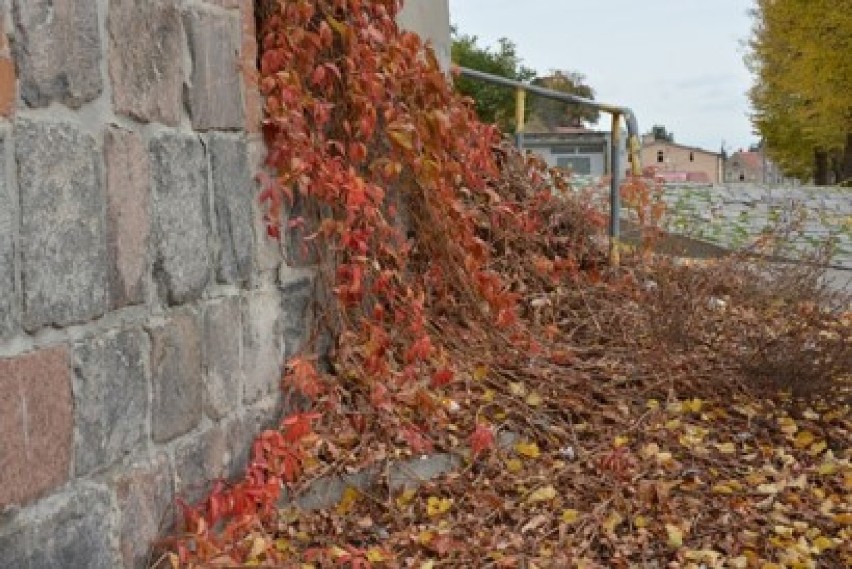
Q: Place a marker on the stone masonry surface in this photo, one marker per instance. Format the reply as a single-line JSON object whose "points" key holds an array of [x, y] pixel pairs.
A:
{"points": [[57, 51], [145, 54], [35, 419], [62, 225], [144, 315]]}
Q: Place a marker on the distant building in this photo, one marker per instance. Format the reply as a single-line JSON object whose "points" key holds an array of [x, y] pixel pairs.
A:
{"points": [[673, 162], [582, 151], [752, 166]]}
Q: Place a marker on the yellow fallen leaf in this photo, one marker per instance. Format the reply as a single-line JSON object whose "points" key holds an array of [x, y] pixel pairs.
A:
{"points": [[845, 519], [258, 546], [527, 449], [620, 441], [612, 521], [437, 506], [488, 396], [817, 448], [348, 501], [640, 522], [514, 465], [480, 372], [544, 494], [823, 543], [517, 389], [726, 448], [693, 405], [803, 439], [405, 498], [430, 564], [652, 404], [570, 516], [675, 536], [740, 562], [827, 468], [788, 426], [722, 489], [534, 399], [376, 555]]}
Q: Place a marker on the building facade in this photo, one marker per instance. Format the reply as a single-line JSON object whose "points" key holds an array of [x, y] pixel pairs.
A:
{"points": [[752, 167], [680, 163], [582, 152]]}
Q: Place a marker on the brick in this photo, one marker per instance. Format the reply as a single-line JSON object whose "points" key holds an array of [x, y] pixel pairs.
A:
{"points": [[128, 216], [263, 345], [223, 385], [145, 495], [145, 55], [199, 461], [8, 86], [215, 100], [36, 419], [9, 310], [58, 51], [181, 220], [110, 398], [72, 529], [62, 228], [233, 190], [176, 377]]}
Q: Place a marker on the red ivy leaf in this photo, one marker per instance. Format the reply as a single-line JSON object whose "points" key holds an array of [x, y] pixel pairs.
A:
{"points": [[442, 377], [482, 438]]}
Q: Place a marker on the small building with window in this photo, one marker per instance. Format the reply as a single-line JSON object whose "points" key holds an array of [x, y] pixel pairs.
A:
{"points": [[579, 150], [674, 162]]}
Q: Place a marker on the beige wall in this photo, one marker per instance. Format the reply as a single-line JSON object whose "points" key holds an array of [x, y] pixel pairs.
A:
{"points": [[431, 20], [678, 158]]}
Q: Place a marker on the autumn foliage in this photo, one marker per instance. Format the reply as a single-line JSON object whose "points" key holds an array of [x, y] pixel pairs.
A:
{"points": [[467, 308]]}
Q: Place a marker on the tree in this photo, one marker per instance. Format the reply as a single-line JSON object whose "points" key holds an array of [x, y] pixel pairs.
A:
{"points": [[552, 114], [802, 96], [494, 104]]}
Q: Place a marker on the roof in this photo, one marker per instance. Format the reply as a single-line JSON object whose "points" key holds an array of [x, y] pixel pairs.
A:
{"points": [[683, 146], [752, 160]]}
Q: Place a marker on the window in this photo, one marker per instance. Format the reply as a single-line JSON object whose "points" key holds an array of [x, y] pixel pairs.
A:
{"points": [[660, 156], [576, 164], [692, 156]]}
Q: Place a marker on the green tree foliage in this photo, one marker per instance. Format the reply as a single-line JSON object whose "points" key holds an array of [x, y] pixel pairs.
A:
{"points": [[802, 96], [494, 104], [553, 114]]}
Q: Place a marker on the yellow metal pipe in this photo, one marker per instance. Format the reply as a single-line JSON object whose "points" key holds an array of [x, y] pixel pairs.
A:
{"points": [[520, 109], [615, 193]]}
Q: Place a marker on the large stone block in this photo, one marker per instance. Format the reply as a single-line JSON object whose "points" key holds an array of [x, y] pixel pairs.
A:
{"points": [[223, 384], [72, 529], [176, 377], [198, 462], [58, 51], [145, 59], [110, 398], [128, 216], [181, 220], [63, 245], [145, 495], [36, 422], [233, 190], [8, 294], [297, 292], [214, 92], [263, 345]]}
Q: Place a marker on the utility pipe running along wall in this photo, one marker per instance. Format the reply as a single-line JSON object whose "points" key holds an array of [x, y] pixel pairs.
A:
{"points": [[617, 112]]}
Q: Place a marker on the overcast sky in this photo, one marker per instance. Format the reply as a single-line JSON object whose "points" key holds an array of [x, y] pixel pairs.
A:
{"points": [[678, 63]]}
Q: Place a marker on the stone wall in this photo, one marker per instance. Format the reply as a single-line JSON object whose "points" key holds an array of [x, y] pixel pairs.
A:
{"points": [[144, 317]]}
